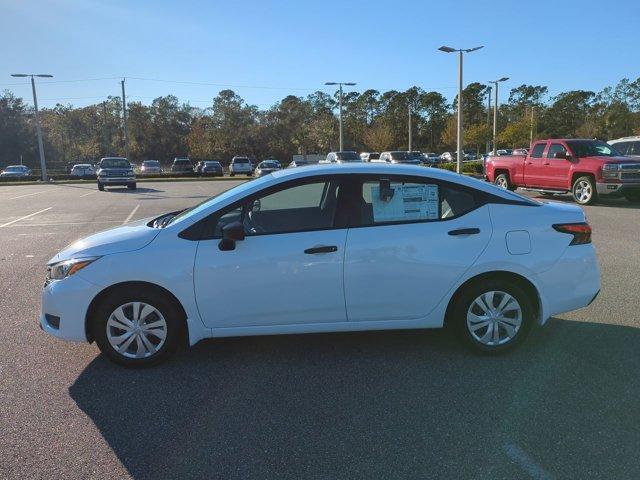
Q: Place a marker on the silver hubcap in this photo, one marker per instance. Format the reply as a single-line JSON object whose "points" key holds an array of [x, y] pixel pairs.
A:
{"points": [[494, 318], [583, 191], [136, 330], [501, 182]]}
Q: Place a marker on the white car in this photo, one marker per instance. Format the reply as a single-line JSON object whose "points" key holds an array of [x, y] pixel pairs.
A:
{"points": [[365, 247], [83, 170], [240, 165]]}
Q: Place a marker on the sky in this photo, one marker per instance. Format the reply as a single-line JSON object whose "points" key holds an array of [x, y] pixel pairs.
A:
{"points": [[266, 50]]}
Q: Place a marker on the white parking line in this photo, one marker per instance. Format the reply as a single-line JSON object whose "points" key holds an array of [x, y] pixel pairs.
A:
{"points": [[90, 193], [25, 217], [27, 195], [130, 216], [55, 224], [529, 465]]}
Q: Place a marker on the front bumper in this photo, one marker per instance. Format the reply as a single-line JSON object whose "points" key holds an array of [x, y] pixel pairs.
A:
{"points": [[116, 180], [617, 189], [68, 300]]}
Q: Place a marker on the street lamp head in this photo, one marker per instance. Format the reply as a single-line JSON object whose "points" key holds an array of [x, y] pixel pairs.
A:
{"points": [[19, 75], [44, 75], [351, 84], [330, 83], [447, 49], [503, 79], [474, 49]]}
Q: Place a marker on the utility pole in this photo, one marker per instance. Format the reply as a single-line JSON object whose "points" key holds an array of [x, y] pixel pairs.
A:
{"points": [[124, 119], [410, 131], [488, 117], [43, 165], [531, 132], [105, 134], [340, 106], [461, 51], [495, 112]]}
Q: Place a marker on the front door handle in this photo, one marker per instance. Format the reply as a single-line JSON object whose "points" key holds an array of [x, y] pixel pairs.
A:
{"points": [[465, 231], [322, 249]]}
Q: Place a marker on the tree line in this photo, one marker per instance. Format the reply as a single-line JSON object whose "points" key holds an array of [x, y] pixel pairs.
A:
{"points": [[373, 121]]}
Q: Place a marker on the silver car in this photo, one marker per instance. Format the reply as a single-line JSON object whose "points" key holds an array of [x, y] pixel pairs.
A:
{"points": [[266, 167]]}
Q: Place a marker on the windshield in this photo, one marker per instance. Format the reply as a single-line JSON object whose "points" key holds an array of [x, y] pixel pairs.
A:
{"points": [[211, 164], [374, 156], [269, 164], [114, 163], [414, 155], [592, 148], [150, 163], [13, 169], [240, 160], [348, 156], [238, 189], [400, 156]]}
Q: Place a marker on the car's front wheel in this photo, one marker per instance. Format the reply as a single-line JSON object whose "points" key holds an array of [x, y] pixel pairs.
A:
{"points": [[132, 186], [137, 328], [100, 187], [584, 191], [493, 316]]}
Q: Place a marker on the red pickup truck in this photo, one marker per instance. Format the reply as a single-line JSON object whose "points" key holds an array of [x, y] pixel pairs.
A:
{"points": [[586, 168]]}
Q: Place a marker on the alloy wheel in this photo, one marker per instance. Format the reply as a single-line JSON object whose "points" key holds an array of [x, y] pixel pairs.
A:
{"points": [[583, 191], [494, 318], [502, 182], [136, 330]]}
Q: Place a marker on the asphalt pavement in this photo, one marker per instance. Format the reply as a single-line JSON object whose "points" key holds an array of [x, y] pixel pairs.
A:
{"points": [[406, 404]]}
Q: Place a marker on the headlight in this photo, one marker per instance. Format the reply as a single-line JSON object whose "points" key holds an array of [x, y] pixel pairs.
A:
{"points": [[610, 170], [61, 270]]}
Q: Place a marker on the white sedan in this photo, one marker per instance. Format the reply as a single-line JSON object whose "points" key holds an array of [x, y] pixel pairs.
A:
{"points": [[364, 246]]}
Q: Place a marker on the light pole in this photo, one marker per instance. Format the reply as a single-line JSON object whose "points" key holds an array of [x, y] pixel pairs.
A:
{"points": [[43, 165], [488, 117], [340, 103], [461, 51], [495, 111], [410, 131]]}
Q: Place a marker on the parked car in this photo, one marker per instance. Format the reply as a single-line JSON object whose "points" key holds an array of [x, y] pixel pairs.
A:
{"points": [[83, 170], [181, 165], [399, 156], [628, 146], [115, 171], [369, 156], [300, 163], [325, 233], [240, 165], [470, 155], [520, 151], [503, 151], [266, 167], [430, 158], [342, 157], [15, 171], [448, 157], [212, 167], [586, 168], [150, 167]]}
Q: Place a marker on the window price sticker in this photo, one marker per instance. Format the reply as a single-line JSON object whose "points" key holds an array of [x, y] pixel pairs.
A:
{"points": [[409, 202]]}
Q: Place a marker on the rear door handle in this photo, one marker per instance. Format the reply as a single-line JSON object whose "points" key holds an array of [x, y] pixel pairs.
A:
{"points": [[322, 249], [465, 231]]}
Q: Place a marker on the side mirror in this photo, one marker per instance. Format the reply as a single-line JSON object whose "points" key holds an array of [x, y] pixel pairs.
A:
{"points": [[231, 233]]}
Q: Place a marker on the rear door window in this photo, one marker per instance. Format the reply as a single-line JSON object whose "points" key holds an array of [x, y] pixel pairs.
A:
{"points": [[538, 150]]}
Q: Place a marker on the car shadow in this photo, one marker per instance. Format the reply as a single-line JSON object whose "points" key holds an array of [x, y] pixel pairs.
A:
{"points": [[602, 202], [139, 190], [396, 404]]}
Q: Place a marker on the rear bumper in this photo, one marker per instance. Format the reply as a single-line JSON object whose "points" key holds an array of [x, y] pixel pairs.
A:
{"points": [[572, 283], [617, 189]]}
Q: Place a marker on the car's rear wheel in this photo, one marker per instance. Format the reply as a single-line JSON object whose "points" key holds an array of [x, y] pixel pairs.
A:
{"points": [[584, 191], [503, 181], [137, 328], [493, 316]]}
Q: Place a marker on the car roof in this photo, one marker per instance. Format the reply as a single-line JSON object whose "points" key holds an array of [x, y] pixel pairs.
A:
{"points": [[625, 139], [113, 158], [82, 165]]}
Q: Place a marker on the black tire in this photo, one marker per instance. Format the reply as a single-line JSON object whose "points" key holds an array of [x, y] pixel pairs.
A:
{"points": [[465, 301], [101, 187], [548, 194], [584, 191], [633, 197], [232, 174], [174, 325], [132, 186], [503, 181]]}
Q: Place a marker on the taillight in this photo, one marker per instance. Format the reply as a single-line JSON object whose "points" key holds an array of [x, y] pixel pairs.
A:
{"points": [[581, 232]]}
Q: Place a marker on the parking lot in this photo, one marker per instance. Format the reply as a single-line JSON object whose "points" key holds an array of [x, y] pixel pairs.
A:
{"points": [[406, 404]]}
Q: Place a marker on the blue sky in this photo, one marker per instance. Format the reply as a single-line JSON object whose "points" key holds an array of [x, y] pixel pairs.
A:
{"points": [[294, 47]]}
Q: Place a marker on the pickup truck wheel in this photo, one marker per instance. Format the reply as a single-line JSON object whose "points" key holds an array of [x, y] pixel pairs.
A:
{"points": [[502, 181], [584, 191], [100, 187]]}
